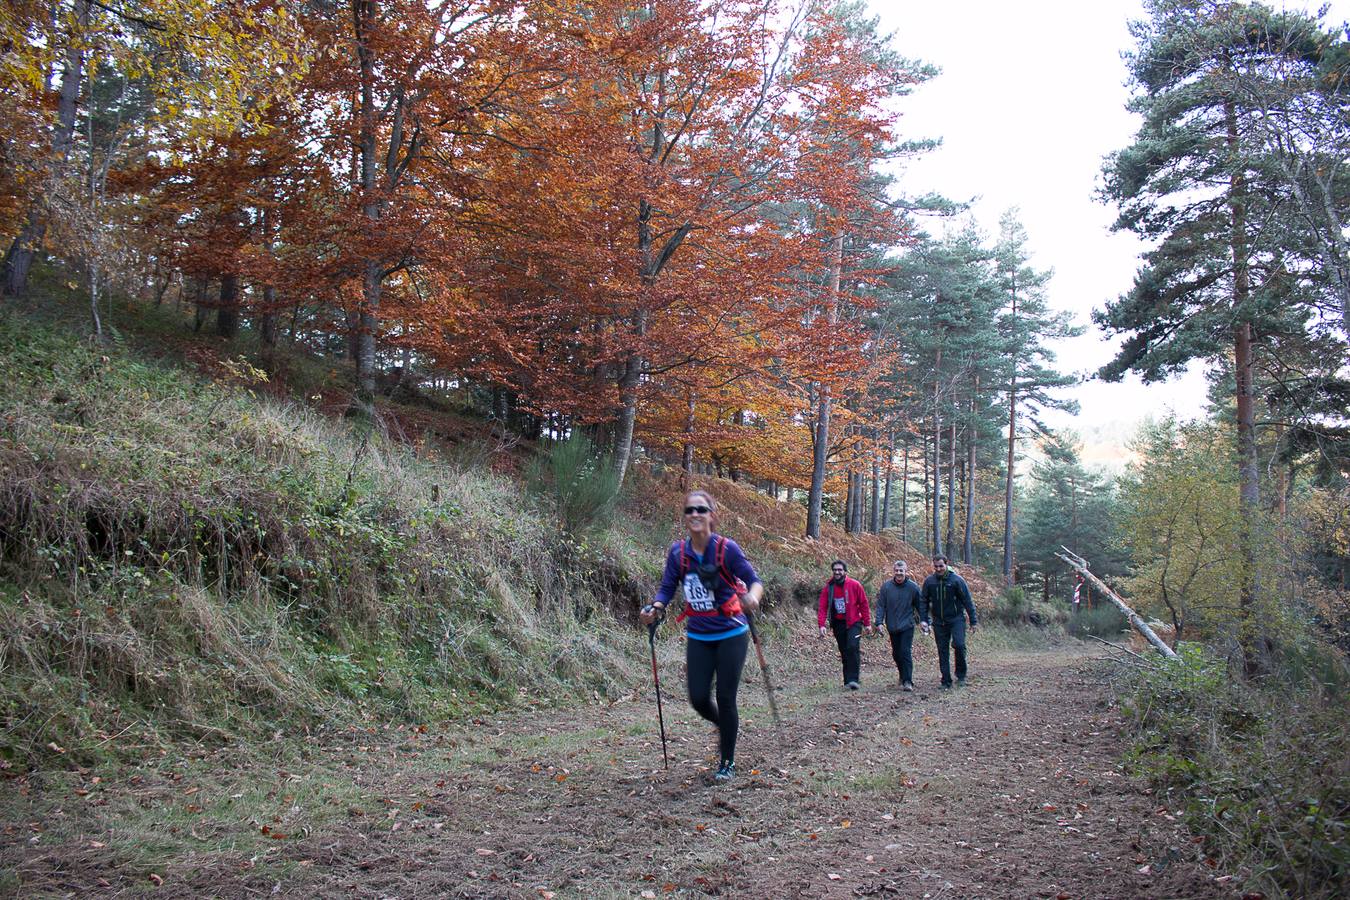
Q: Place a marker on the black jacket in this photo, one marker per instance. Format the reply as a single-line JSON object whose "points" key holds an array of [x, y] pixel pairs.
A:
{"points": [[948, 598]]}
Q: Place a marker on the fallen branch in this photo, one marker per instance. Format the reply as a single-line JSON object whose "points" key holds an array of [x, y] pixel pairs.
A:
{"points": [[1116, 646], [1143, 662], [1127, 663], [1080, 566]]}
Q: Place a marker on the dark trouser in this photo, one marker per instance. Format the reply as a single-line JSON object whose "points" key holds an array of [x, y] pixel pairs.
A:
{"points": [[850, 648], [902, 643], [723, 659], [953, 634]]}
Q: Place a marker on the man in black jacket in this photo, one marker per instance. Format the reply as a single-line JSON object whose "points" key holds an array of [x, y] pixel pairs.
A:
{"points": [[946, 595], [898, 607]]}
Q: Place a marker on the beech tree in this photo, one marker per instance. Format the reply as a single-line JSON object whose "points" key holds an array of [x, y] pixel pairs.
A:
{"points": [[1183, 524], [208, 64]]}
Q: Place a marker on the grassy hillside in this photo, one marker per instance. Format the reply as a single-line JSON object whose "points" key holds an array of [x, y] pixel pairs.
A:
{"points": [[188, 553], [183, 557]]}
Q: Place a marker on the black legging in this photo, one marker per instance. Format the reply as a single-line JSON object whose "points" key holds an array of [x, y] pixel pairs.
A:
{"points": [[724, 659]]}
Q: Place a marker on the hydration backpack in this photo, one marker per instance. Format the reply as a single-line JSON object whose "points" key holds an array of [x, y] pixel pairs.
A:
{"points": [[732, 607]]}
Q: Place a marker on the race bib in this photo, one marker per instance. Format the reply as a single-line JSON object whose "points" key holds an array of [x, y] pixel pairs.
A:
{"points": [[696, 595]]}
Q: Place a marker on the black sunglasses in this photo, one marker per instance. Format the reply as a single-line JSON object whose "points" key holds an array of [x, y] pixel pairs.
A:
{"points": [[690, 510]]}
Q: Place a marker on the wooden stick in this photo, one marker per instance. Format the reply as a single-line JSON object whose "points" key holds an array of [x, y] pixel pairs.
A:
{"points": [[1080, 566], [1116, 646]]}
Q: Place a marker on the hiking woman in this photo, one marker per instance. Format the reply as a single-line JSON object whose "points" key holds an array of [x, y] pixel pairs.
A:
{"points": [[720, 588]]}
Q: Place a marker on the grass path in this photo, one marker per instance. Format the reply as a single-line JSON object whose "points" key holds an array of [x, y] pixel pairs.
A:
{"points": [[1011, 787]]}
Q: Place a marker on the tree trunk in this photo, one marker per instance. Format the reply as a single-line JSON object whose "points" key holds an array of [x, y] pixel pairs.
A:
{"points": [[18, 262], [1012, 448], [267, 323], [628, 398], [951, 489], [904, 496], [890, 472], [201, 311], [1251, 634], [927, 495], [737, 419], [687, 457], [859, 501], [1134, 618], [855, 485], [876, 498], [227, 310], [95, 274], [968, 544], [372, 275], [937, 463], [821, 434]]}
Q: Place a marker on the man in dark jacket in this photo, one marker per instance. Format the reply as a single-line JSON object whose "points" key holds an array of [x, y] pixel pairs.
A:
{"points": [[898, 607], [947, 598], [843, 609]]}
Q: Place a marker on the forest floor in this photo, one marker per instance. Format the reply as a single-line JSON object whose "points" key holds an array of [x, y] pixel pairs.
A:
{"points": [[1010, 787]]}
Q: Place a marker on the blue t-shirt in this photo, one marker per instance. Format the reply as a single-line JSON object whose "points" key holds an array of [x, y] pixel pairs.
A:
{"points": [[707, 595]]}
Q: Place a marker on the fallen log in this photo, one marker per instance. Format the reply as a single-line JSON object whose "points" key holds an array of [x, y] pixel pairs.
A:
{"points": [[1080, 566]]}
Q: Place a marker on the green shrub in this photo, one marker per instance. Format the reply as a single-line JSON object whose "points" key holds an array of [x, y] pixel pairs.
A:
{"points": [[1014, 606], [1263, 769], [1011, 607], [1102, 621], [579, 485]]}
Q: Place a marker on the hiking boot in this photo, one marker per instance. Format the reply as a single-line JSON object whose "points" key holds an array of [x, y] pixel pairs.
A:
{"points": [[960, 682], [907, 686], [946, 686], [726, 772], [852, 685]]}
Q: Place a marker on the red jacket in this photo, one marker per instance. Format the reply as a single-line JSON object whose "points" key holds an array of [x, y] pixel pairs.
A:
{"points": [[855, 604]]}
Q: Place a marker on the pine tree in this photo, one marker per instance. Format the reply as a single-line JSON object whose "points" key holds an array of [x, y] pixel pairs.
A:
{"points": [[1195, 181], [1027, 325]]}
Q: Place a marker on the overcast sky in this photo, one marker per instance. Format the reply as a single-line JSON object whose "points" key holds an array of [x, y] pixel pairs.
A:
{"points": [[1031, 98]]}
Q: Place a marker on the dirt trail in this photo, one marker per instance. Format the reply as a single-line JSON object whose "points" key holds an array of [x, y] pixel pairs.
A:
{"points": [[1009, 787]]}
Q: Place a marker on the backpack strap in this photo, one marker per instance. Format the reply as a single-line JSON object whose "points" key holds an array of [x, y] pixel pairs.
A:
{"points": [[737, 586], [732, 606]]}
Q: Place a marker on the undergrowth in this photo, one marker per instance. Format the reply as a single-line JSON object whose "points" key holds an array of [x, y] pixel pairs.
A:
{"points": [[1263, 770], [184, 558]]}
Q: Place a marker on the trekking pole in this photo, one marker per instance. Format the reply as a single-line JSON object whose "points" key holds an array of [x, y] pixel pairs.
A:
{"points": [[656, 677], [764, 667]]}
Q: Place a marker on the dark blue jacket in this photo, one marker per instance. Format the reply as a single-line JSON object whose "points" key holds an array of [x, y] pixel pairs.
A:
{"points": [[948, 598]]}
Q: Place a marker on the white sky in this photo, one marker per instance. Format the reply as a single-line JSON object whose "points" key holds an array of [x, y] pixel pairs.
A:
{"points": [[1031, 98]]}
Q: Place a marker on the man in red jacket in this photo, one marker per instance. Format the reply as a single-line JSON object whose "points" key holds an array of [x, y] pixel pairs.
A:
{"points": [[844, 610]]}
